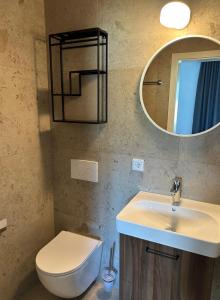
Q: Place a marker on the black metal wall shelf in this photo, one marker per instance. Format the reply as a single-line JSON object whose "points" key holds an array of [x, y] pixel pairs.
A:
{"points": [[63, 77]]}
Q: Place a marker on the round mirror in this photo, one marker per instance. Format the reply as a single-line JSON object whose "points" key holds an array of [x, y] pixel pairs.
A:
{"points": [[180, 86]]}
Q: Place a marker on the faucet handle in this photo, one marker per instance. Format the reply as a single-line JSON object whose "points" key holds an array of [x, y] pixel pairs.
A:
{"points": [[176, 184]]}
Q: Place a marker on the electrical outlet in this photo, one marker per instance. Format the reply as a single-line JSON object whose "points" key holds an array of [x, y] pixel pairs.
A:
{"points": [[137, 165]]}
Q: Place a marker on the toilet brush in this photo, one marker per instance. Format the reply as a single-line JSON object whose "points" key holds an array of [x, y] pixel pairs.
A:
{"points": [[109, 273]]}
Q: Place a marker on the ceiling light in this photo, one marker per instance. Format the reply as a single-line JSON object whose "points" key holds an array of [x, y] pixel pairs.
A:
{"points": [[175, 15]]}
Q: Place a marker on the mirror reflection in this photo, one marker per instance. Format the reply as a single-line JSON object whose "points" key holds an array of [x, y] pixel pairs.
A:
{"points": [[181, 87]]}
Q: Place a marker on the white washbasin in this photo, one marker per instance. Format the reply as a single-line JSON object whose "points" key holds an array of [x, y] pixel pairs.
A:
{"points": [[193, 226]]}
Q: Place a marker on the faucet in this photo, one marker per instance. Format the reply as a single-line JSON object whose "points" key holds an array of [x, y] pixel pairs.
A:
{"points": [[175, 190]]}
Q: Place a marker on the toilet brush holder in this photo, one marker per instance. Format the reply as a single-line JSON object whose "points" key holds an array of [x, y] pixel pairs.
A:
{"points": [[109, 273], [108, 276]]}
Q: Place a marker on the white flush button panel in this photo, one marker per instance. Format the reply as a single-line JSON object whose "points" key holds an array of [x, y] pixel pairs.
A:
{"points": [[137, 165], [3, 224], [84, 170]]}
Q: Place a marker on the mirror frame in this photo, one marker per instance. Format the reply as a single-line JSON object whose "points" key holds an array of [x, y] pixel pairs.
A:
{"points": [[142, 80]]}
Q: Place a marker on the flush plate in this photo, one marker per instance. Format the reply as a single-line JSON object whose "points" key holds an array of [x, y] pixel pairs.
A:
{"points": [[84, 170], [3, 224]]}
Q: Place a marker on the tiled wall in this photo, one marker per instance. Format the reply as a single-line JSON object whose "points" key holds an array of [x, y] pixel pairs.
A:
{"points": [[134, 34], [25, 160]]}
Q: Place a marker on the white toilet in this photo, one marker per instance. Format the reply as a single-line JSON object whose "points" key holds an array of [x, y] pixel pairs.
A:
{"points": [[68, 264]]}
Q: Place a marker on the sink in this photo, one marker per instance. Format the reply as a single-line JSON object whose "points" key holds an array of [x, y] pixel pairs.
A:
{"points": [[193, 226]]}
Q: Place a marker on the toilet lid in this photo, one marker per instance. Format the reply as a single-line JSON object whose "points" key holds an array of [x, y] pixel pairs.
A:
{"points": [[65, 253]]}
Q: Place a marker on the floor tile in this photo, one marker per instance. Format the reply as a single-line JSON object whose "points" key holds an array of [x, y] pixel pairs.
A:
{"points": [[96, 292]]}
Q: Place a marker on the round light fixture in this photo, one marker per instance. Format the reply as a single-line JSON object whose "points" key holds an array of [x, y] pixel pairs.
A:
{"points": [[175, 15]]}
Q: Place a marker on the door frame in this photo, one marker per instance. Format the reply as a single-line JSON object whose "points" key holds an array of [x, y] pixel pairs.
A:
{"points": [[176, 58]]}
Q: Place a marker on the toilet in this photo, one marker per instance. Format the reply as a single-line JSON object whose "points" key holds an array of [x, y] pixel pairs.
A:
{"points": [[69, 264]]}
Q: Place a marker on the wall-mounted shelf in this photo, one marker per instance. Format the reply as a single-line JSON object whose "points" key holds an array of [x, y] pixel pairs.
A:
{"points": [[3, 224], [79, 76]]}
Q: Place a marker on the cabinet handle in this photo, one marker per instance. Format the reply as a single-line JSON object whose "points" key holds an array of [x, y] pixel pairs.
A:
{"points": [[160, 253]]}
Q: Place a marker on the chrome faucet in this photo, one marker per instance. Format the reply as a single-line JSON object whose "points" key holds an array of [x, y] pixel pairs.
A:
{"points": [[176, 190]]}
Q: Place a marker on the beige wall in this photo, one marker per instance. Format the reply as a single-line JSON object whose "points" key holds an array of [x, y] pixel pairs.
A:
{"points": [[134, 35], [25, 184], [156, 98]]}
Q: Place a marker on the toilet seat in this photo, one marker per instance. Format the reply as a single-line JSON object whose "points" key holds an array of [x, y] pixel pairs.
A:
{"points": [[57, 259]]}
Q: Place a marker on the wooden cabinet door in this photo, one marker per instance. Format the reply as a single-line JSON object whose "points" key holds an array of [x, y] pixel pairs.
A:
{"points": [[150, 271]]}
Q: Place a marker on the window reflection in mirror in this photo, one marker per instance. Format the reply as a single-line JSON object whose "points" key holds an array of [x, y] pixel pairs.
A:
{"points": [[181, 88]]}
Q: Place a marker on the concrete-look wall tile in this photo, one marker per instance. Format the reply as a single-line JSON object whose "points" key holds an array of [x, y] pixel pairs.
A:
{"points": [[76, 16], [202, 149], [25, 155], [135, 33], [21, 26], [200, 181], [70, 137]]}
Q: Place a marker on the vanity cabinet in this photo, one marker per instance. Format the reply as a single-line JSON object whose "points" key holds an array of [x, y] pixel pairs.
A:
{"points": [[150, 271]]}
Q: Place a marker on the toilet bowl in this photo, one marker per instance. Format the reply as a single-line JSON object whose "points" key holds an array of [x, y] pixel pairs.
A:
{"points": [[69, 264]]}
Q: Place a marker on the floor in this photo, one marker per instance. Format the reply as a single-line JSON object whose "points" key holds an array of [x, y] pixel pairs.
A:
{"points": [[96, 292]]}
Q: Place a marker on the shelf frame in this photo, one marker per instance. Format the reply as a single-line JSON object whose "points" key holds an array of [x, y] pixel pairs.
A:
{"points": [[92, 37]]}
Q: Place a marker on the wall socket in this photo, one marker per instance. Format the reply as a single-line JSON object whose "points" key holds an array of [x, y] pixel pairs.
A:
{"points": [[137, 165]]}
